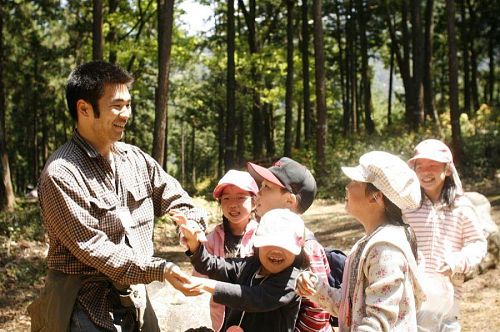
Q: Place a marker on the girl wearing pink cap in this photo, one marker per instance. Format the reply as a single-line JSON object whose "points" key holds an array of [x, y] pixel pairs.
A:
{"points": [[235, 193], [449, 235]]}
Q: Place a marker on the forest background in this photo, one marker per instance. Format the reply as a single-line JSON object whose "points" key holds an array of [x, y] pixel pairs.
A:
{"points": [[320, 81]]}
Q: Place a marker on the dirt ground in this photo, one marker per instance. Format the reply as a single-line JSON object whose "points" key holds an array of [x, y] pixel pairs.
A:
{"points": [[480, 309]]}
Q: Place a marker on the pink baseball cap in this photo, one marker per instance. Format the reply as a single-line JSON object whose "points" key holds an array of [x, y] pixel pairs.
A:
{"points": [[436, 150], [240, 179]]}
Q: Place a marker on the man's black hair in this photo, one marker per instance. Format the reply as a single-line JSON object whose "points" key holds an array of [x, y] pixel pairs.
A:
{"points": [[88, 80]]}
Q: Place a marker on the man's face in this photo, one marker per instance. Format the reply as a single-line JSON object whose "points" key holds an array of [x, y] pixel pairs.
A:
{"points": [[271, 196], [115, 109]]}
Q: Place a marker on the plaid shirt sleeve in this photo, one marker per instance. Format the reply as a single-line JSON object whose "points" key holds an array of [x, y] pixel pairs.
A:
{"points": [[69, 222], [168, 194], [311, 316]]}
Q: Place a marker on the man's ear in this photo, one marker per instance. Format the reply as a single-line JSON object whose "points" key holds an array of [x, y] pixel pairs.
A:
{"points": [[84, 108]]}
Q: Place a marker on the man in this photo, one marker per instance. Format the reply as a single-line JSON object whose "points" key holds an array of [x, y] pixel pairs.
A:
{"points": [[98, 199], [290, 185]]}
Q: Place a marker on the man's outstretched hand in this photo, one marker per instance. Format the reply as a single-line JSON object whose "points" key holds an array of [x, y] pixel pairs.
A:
{"points": [[182, 282]]}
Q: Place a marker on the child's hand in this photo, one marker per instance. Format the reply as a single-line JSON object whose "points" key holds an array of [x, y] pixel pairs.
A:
{"points": [[180, 219], [207, 285], [190, 237], [306, 284], [445, 270]]}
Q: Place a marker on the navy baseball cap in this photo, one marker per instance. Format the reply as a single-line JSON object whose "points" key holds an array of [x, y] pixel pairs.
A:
{"points": [[290, 175]]}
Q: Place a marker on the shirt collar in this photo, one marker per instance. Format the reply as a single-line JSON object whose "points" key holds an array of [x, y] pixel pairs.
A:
{"points": [[118, 147]]}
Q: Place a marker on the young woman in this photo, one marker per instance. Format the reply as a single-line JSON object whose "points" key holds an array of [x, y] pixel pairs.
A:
{"points": [[449, 235], [380, 288]]}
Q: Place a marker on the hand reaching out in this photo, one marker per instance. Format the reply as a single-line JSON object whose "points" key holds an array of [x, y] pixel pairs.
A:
{"points": [[306, 284], [181, 281], [188, 228]]}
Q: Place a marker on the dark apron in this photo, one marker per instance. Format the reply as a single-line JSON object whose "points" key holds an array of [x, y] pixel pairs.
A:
{"points": [[52, 310]]}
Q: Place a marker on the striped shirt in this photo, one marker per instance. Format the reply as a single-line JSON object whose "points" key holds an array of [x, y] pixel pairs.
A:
{"points": [[100, 220], [312, 317], [451, 236]]}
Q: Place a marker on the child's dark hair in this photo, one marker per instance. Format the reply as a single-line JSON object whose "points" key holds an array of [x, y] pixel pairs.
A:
{"points": [[449, 191], [87, 82], [394, 216]]}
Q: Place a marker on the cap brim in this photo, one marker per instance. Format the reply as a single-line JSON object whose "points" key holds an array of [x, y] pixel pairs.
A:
{"points": [[427, 155], [354, 173], [260, 173], [283, 243]]}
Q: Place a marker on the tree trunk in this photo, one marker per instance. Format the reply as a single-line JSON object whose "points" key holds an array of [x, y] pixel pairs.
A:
{"points": [[7, 198], [165, 26], [230, 89], [289, 79], [473, 56], [111, 37], [418, 63], [491, 56], [429, 109], [97, 36], [298, 130], [389, 98], [343, 83], [465, 55], [319, 71], [306, 93], [365, 74], [453, 77]]}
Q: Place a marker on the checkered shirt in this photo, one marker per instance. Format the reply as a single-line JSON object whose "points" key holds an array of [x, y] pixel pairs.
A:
{"points": [[81, 197]]}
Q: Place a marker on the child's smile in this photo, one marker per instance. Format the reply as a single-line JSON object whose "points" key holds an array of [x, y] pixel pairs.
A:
{"points": [[275, 259]]}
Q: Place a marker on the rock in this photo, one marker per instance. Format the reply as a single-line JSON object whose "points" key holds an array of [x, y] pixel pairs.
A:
{"points": [[178, 313]]}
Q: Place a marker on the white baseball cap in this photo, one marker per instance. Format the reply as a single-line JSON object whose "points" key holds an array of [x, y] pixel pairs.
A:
{"points": [[240, 179], [390, 175], [436, 150], [281, 228]]}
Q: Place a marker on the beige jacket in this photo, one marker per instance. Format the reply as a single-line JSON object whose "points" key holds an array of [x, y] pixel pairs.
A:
{"points": [[386, 290]]}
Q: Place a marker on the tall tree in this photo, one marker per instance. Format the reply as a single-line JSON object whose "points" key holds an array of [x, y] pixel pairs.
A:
{"points": [[306, 92], [319, 73], [289, 78], [456, 135], [230, 88], [165, 26], [7, 198], [365, 69], [429, 109], [97, 36]]}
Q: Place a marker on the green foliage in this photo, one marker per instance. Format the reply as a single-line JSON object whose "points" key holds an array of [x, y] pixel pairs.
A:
{"points": [[24, 222]]}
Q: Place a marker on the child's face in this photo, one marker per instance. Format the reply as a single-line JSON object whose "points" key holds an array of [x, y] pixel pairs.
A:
{"points": [[271, 196], [431, 175], [356, 200], [275, 259], [236, 204]]}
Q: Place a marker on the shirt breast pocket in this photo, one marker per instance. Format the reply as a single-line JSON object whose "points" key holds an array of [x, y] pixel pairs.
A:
{"points": [[104, 209], [140, 203]]}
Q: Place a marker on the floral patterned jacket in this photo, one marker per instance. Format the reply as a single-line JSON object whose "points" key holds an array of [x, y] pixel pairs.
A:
{"points": [[386, 293]]}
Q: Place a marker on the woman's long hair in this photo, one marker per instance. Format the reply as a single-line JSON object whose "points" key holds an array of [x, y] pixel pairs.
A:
{"points": [[394, 216]]}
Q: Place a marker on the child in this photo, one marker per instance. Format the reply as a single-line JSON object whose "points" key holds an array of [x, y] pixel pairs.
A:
{"points": [[235, 193], [380, 289], [288, 184], [449, 235], [258, 290]]}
